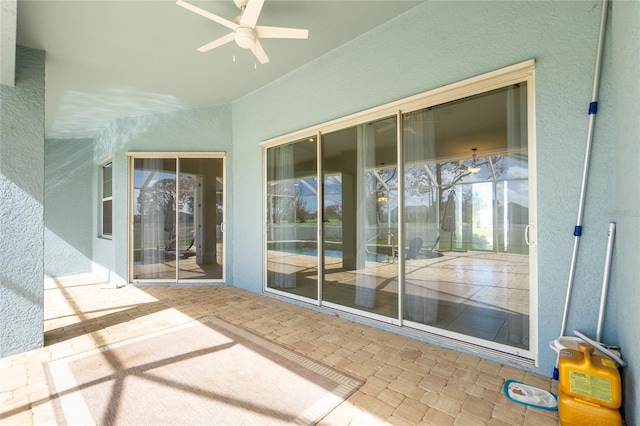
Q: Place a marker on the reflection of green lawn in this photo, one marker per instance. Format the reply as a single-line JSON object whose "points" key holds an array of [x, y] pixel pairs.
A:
{"points": [[481, 239], [163, 238]]}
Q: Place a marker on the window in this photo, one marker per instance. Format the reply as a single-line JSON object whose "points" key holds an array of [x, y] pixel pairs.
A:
{"points": [[106, 204]]}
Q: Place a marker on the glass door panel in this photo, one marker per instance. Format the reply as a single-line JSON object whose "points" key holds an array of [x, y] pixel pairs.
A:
{"points": [[467, 201], [292, 212], [360, 218], [177, 219], [200, 245], [154, 219]]}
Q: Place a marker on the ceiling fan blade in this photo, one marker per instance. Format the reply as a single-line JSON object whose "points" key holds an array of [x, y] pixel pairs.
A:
{"points": [[280, 32], [208, 15], [218, 42], [251, 13], [260, 53]]}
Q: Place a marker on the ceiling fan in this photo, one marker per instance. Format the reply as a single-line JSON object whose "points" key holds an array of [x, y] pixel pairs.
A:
{"points": [[245, 31]]}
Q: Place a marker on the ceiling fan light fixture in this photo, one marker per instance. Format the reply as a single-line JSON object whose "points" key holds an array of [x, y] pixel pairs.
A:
{"points": [[245, 37], [474, 167]]}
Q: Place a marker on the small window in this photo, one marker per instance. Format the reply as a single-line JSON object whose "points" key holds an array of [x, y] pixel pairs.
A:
{"points": [[106, 209]]}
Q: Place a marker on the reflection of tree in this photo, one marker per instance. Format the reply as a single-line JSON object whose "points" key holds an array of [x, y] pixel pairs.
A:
{"points": [[219, 209], [281, 201], [333, 211], [385, 182], [420, 183], [302, 212], [468, 198], [188, 186], [155, 199], [287, 203], [158, 197]]}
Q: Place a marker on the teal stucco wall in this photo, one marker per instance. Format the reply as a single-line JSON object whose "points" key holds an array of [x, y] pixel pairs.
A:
{"points": [[624, 291], [22, 206], [68, 206]]}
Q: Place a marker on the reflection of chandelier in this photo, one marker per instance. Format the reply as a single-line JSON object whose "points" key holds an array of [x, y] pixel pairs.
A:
{"points": [[474, 167], [382, 199]]}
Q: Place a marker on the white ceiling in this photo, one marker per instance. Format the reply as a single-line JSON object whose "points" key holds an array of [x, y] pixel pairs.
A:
{"points": [[111, 59]]}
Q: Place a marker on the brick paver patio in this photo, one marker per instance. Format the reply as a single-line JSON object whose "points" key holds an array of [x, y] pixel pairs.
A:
{"points": [[407, 382]]}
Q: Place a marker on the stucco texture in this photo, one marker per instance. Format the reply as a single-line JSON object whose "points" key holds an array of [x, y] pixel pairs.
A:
{"points": [[21, 209], [68, 206], [624, 291]]}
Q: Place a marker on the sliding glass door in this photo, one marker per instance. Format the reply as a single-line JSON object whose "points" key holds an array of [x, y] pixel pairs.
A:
{"points": [[361, 218], [292, 213], [466, 203], [418, 217], [177, 218]]}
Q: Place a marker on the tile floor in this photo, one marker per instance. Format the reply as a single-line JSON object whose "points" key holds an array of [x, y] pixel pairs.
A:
{"points": [[407, 382]]}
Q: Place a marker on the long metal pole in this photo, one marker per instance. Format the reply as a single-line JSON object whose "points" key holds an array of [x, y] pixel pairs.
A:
{"points": [[593, 109], [605, 280]]}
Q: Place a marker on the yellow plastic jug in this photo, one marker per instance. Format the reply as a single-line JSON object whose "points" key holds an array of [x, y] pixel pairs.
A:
{"points": [[590, 390]]}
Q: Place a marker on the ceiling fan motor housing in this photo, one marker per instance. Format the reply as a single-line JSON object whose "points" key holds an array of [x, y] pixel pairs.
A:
{"points": [[245, 37], [241, 3]]}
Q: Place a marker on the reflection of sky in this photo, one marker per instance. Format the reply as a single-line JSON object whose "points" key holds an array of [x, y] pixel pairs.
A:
{"points": [[140, 177], [518, 192], [332, 190], [415, 200], [517, 172], [514, 169]]}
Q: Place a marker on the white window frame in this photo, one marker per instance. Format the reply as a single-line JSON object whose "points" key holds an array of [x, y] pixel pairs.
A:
{"points": [[108, 164]]}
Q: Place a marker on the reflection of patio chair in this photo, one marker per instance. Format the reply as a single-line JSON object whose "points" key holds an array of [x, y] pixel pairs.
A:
{"points": [[375, 254], [169, 226], [414, 248], [171, 247]]}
